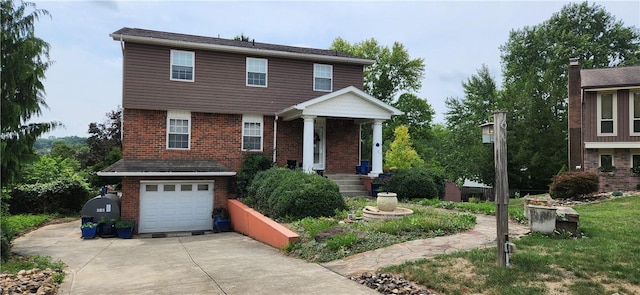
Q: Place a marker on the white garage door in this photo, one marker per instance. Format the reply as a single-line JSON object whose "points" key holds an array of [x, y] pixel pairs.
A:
{"points": [[175, 206]]}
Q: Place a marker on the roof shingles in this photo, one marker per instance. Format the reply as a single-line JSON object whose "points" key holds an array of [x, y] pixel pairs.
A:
{"points": [[610, 77], [166, 166]]}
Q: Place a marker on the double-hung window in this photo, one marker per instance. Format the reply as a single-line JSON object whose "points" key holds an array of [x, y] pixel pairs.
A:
{"points": [[252, 132], [322, 77], [634, 112], [182, 65], [607, 114], [256, 72], [635, 160], [178, 129]]}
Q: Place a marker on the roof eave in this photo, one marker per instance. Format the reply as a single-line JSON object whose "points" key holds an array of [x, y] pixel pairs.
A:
{"points": [[165, 174], [240, 50]]}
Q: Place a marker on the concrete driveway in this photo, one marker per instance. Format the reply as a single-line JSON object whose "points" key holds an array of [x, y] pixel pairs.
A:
{"points": [[223, 263]]}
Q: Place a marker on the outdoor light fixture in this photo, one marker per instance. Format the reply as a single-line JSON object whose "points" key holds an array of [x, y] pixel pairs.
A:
{"points": [[487, 132]]}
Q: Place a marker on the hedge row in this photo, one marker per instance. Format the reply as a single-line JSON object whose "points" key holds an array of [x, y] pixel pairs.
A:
{"points": [[62, 196], [418, 183], [293, 194]]}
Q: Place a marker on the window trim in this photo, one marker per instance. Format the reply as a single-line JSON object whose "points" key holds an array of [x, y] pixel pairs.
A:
{"points": [[252, 118], [631, 110], [614, 110], [193, 66], [178, 115], [315, 66], [266, 72]]}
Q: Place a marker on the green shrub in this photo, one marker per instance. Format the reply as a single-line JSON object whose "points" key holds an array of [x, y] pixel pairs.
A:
{"points": [[251, 165], [62, 196], [418, 182], [301, 195], [573, 184], [262, 186], [285, 193], [617, 193]]}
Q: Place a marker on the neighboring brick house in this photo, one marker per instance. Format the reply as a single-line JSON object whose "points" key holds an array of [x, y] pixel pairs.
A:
{"points": [[194, 107], [604, 124]]}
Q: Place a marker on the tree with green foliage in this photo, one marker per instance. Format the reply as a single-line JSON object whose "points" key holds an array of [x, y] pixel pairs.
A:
{"points": [[401, 155], [535, 64], [104, 147], [394, 70], [467, 157], [25, 59]]}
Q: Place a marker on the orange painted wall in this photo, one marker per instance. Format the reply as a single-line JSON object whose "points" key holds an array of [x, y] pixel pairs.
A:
{"points": [[250, 222]]}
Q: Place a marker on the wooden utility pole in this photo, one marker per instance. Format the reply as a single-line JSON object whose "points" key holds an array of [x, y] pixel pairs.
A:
{"points": [[501, 183]]}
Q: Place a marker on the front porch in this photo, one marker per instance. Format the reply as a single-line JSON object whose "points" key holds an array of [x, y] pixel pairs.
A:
{"points": [[322, 138]]}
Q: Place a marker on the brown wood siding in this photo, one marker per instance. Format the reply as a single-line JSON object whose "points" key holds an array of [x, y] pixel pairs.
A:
{"points": [[590, 118], [220, 82]]}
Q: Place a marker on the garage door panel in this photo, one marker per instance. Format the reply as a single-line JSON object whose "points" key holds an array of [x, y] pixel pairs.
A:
{"points": [[180, 206]]}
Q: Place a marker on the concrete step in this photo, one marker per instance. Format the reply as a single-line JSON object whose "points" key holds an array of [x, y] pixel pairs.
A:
{"points": [[349, 184]]}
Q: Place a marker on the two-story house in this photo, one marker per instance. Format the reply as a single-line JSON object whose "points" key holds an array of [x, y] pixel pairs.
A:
{"points": [[194, 107], [604, 124]]}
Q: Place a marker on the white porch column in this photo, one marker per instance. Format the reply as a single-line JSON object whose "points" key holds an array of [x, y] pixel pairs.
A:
{"points": [[307, 144], [376, 149]]}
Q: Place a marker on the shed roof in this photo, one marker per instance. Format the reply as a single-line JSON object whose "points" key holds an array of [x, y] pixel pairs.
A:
{"points": [[610, 77], [155, 167]]}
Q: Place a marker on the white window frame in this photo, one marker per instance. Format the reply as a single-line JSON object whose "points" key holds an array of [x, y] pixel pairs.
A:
{"points": [[178, 115], [193, 66], [266, 71], [253, 118], [634, 152], [632, 118], [614, 110], [605, 152], [315, 75]]}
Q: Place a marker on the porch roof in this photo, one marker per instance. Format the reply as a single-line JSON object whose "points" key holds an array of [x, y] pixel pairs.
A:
{"points": [[349, 102], [153, 167]]}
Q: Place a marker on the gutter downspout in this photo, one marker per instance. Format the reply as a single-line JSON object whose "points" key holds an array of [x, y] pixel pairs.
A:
{"points": [[275, 135]]}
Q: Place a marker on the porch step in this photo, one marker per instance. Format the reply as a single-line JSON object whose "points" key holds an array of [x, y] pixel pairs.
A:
{"points": [[350, 184]]}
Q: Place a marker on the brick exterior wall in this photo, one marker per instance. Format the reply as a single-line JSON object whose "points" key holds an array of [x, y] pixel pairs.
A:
{"points": [[130, 202], [620, 179], [574, 117]]}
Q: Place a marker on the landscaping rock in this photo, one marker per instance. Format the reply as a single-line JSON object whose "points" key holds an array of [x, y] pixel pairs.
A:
{"points": [[389, 284], [33, 281]]}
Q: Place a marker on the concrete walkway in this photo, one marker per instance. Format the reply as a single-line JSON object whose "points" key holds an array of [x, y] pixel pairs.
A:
{"points": [[483, 235], [224, 263]]}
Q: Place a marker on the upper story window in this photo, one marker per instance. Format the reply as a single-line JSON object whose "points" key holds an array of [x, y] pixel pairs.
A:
{"points": [[182, 65], [256, 72], [322, 77], [634, 112], [178, 129], [252, 132], [607, 114]]}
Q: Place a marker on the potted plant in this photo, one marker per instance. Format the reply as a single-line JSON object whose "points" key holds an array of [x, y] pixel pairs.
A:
{"points": [[221, 221], [124, 228], [386, 201], [89, 230], [107, 227]]}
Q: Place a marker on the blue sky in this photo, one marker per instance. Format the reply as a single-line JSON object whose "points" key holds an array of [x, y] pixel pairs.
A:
{"points": [[454, 38]]}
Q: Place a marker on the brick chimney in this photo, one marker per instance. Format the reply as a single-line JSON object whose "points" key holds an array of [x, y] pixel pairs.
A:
{"points": [[575, 116]]}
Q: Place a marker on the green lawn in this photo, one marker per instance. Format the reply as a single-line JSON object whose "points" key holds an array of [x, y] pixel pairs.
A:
{"points": [[605, 260]]}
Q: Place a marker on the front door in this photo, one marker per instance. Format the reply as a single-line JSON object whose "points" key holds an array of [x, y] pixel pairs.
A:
{"points": [[319, 147]]}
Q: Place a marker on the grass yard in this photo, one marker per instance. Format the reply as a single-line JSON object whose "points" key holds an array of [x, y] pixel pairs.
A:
{"points": [[15, 225], [605, 260], [362, 236]]}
